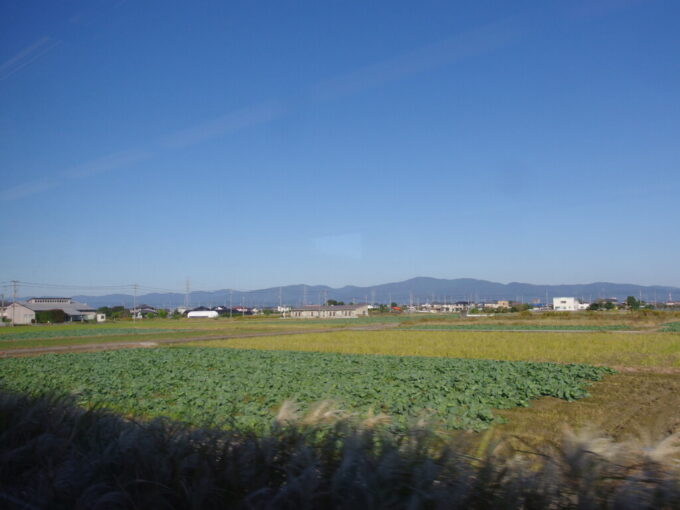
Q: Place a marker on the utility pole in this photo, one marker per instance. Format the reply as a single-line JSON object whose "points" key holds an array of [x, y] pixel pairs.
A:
{"points": [[134, 304], [186, 294], [231, 308], [15, 289]]}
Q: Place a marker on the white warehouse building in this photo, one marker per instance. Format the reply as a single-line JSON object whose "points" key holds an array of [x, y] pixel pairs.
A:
{"points": [[203, 314], [568, 304]]}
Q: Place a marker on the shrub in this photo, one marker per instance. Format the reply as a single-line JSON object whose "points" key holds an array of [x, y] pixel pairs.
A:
{"points": [[46, 316]]}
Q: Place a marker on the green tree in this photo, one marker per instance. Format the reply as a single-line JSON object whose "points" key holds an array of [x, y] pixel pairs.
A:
{"points": [[632, 303], [119, 312], [519, 307], [53, 316], [105, 310]]}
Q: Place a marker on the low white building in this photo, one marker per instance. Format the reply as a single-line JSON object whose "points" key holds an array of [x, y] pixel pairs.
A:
{"points": [[329, 312], [458, 306], [568, 304], [203, 314]]}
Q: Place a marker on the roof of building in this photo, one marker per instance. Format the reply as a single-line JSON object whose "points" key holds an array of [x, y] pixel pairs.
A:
{"points": [[64, 300], [71, 308], [324, 308]]}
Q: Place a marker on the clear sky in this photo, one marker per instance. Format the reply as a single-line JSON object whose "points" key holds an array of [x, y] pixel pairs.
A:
{"points": [[254, 144]]}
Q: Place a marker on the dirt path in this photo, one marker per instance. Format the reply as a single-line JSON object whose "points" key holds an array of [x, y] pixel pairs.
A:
{"points": [[33, 351]]}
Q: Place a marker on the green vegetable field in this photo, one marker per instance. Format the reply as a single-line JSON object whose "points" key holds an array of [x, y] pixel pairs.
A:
{"points": [[671, 326], [62, 332], [246, 387]]}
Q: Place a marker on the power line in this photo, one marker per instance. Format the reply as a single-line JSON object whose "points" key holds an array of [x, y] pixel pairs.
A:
{"points": [[74, 286]]}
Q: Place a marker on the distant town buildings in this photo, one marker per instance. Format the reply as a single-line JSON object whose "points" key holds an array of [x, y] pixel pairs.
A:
{"points": [[502, 303], [64, 309], [329, 312]]}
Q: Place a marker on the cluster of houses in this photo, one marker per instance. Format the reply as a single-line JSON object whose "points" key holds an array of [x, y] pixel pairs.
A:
{"points": [[563, 304], [469, 306], [63, 309], [302, 312]]}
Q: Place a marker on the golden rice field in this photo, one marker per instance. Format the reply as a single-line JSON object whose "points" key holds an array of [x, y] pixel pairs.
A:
{"points": [[616, 349]]}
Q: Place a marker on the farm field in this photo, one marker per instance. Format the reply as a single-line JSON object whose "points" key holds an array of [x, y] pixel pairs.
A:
{"points": [[672, 326], [76, 334], [645, 349], [142, 335], [200, 385], [644, 397], [601, 348], [626, 405], [150, 330], [517, 327]]}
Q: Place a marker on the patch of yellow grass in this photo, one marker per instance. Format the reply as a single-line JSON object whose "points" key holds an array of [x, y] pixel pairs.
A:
{"points": [[603, 348]]}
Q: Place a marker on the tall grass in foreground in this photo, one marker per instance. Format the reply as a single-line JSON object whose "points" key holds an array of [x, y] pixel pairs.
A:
{"points": [[55, 455]]}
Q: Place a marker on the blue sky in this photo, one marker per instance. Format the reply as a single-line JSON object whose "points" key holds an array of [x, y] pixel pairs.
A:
{"points": [[255, 144]]}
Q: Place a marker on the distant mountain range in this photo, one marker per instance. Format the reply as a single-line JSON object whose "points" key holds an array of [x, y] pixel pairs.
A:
{"points": [[415, 290]]}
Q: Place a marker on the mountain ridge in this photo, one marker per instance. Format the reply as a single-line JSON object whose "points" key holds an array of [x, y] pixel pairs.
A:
{"points": [[419, 289]]}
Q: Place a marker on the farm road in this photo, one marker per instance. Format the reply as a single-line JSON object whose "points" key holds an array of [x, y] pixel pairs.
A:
{"points": [[33, 351]]}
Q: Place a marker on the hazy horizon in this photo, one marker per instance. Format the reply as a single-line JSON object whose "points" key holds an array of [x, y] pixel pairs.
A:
{"points": [[33, 289]]}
